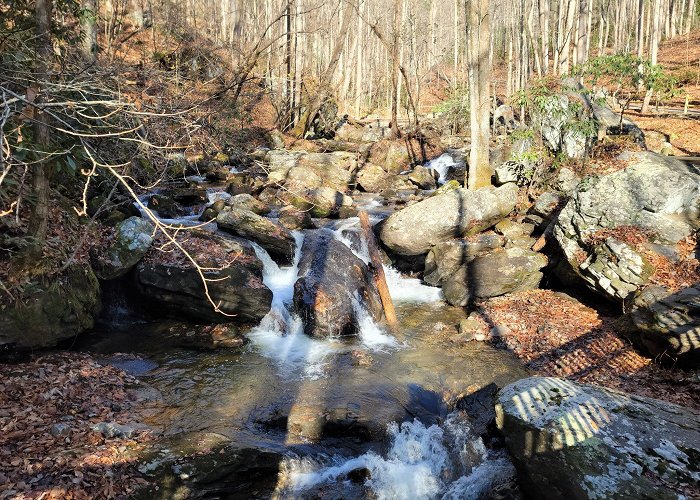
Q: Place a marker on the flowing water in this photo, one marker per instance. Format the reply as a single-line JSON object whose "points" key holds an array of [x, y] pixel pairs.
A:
{"points": [[379, 404]]}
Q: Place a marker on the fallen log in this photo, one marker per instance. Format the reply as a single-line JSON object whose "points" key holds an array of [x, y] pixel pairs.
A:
{"points": [[378, 270]]}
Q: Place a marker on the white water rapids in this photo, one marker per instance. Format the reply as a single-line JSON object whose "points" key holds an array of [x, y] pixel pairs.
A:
{"points": [[446, 462]]}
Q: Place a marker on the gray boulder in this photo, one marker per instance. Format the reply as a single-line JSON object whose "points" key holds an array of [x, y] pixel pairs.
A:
{"points": [[373, 179], [445, 258], [414, 230], [580, 441], [133, 238], [422, 177], [238, 288], [665, 325], [320, 202], [332, 280], [274, 238], [560, 124], [248, 202], [494, 274], [299, 171], [655, 193]]}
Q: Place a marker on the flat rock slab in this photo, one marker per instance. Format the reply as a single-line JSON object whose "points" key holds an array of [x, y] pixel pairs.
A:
{"points": [[580, 441]]}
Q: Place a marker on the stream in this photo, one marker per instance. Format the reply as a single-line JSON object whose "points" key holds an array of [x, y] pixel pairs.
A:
{"points": [[367, 417]]}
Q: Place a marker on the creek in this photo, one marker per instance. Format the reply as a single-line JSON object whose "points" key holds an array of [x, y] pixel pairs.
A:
{"points": [[370, 416]]}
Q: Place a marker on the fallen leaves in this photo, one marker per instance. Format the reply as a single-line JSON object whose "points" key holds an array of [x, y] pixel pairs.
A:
{"points": [[558, 336], [48, 448]]}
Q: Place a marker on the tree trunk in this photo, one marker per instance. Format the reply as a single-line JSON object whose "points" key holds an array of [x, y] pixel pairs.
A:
{"points": [[582, 41], [653, 46], [479, 172], [38, 220], [88, 29], [395, 66]]}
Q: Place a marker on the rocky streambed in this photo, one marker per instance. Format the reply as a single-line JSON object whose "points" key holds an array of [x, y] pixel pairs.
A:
{"points": [[268, 369]]}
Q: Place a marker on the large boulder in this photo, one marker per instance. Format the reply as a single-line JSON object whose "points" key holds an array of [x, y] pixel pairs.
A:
{"points": [[414, 230], [444, 259], [247, 202], [56, 308], [373, 179], [332, 282], [277, 240], [236, 285], [320, 202], [298, 171], [655, 193], [494, 274], [579, 441], [132, 239], [667, 325], [566, 123]]}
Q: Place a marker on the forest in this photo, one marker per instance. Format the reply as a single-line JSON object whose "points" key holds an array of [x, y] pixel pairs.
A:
{"points": [[339, 249]]}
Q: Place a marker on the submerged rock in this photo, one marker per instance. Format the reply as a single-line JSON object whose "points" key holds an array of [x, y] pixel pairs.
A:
{"points": [[332, 282], [63, 307], [654, 193], [666, 325], [132, 240], [277, 240], [580, 441], [419, 227]]}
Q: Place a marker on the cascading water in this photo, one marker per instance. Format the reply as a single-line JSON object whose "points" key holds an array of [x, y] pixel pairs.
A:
{"points": [[280, 335], [442, 165], [401, 289], [422, 462]]}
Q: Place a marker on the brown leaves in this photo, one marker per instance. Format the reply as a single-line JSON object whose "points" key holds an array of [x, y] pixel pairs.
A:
{"points": [[47, 447], [558, 336]]}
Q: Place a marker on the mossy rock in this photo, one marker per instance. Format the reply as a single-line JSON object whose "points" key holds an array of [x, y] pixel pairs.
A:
{"points": [[56, 309]]}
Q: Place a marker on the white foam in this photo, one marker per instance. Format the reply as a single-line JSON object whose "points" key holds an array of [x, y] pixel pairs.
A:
{"points": [[280, 335], [416, 466], [404, 289], [411, 469], [215, 195], [442, 165], [401, 289]]}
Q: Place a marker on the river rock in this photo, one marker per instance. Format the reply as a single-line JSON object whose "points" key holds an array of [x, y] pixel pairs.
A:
{"points": [[331, 280], [373, 179], [667, 325], [579, 441], [299, 171], [58, 309], [274, 238], [398, 158], [238, 288], [444, 259], [414, 230], [294, 219], [132, 239], [656, 193], [494, 274], [247, 202], [422, 177], [166, 207], [320, 202]]}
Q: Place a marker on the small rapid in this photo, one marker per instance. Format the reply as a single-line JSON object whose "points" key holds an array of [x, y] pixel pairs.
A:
{"points": [[280, 335], [445, 461], [442, 165]]}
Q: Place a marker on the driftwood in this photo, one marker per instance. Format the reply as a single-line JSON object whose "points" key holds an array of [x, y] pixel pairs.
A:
{"points": [[378, 270]]}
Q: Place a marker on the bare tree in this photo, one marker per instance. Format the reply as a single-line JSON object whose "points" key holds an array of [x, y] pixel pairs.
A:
{"points": [[478, 34]]}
